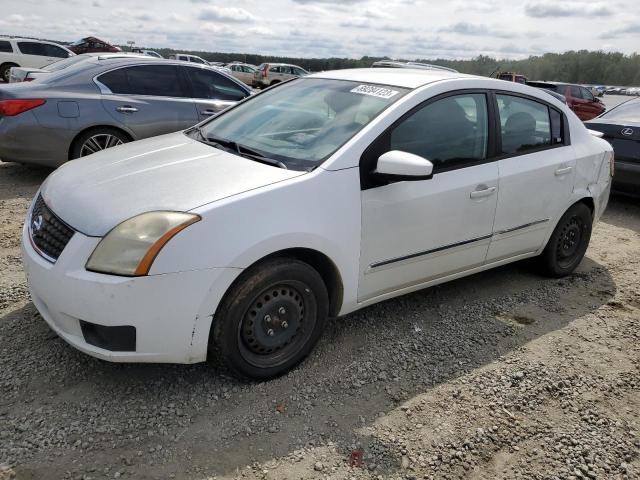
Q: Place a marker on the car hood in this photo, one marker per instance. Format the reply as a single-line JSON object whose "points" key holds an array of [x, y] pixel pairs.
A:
{"points": [[170, 172]]}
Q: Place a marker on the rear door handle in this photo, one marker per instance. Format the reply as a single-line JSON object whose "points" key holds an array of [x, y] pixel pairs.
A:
{"points": [[126, 109], [208, 112], [483, 191], [563, 171]]}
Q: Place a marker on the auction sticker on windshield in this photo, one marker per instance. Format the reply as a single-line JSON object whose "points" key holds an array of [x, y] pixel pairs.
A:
{"points": [[372, 90]]}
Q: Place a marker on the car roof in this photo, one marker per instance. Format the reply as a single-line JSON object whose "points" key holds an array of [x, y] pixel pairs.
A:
{"points": [[26, 39], [399, 77]]}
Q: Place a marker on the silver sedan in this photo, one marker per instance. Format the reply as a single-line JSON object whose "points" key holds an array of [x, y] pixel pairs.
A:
{"points": [[107, 101]]}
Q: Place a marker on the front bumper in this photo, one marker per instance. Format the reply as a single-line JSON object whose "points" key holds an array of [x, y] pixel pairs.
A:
{"points": [[171, 313]]}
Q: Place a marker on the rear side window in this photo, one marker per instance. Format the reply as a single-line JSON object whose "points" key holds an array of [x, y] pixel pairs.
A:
{"points": [[212, 85], [5, 47], [525, 124], [448, 132], [196, 60], [557, 136], [155, 80], [32, 48]]}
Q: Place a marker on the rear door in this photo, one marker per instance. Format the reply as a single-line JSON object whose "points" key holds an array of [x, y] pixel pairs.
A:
{"points": [[537, 170], [212, 92], [148, 99]]}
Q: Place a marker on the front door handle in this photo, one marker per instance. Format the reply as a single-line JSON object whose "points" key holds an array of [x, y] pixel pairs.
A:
{"points": [[482, 191], [126, 109], [563, 171], [208, 112]]}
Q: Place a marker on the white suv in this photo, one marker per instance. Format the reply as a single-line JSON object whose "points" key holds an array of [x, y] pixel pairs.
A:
{"points": [[271, 73], [27, 52], [188, 58]]}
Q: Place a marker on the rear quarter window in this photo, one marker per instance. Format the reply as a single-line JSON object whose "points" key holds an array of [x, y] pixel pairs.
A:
{"points": [[5, 47]]}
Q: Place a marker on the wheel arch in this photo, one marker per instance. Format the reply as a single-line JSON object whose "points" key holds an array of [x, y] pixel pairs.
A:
{"points": [[96, 127]]}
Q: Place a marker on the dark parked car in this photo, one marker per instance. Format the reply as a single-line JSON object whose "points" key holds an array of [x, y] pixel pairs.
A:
{"points": [[621, 128], [92, 44], [579, 99], [105, 101]]}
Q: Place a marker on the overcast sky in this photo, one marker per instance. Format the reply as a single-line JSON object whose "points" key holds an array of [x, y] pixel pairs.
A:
{"points": [[342, 28]]}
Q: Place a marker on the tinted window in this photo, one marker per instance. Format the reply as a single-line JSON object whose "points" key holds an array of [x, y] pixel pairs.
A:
{"points": [[5, 46], [208, 84], [54, 51], [32, 48], [196, 60], [157, 80], [524, 124], [556, 126], [446, 132]]}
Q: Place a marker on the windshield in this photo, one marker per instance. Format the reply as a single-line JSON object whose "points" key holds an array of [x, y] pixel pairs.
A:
{"points": [[301, 123], [67, 62], [628, 111]]}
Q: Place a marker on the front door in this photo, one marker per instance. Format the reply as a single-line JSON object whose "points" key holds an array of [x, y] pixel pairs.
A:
{"points": [[148, 99], [536, 175], [417, 231]]}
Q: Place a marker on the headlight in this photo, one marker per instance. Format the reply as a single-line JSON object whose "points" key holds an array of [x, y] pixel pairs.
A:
{"points": [[131, 247]]}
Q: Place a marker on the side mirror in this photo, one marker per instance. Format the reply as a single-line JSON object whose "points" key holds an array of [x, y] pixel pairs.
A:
{"points": [[397, 165]]}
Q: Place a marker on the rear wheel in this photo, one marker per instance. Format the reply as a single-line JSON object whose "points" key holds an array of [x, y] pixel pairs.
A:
{"points": [[97, 139], [568, 242], [270, 320], [4, 71], [274, 82]]}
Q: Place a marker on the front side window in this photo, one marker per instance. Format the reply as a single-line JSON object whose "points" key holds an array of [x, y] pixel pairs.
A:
{"points": [[587, 95], [32, 48], [302, 122], [576, 92], [524, 124], [55, 51], [447, 132], [155, 80], [212, 85], [5, 46]]}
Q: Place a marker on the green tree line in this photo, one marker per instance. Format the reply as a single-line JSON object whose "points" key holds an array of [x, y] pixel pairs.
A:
{"points": [[583, 66]]}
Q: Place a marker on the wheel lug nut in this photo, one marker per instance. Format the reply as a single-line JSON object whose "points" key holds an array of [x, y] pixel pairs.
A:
{"points": [[267, 318], [284, 324], [282, 311], [270, 332]]}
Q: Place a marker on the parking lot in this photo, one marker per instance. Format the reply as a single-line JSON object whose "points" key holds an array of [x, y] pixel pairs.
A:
{"points": [[503, 374]]}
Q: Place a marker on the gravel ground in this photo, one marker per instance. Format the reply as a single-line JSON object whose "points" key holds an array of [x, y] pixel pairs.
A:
{"points": [[503, 374]]}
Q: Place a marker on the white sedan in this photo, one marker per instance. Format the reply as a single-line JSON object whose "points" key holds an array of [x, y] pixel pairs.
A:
{"points": [[328, 193]]}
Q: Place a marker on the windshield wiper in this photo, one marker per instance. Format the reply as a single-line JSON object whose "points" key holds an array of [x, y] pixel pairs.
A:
{"points": [[242, 150]]}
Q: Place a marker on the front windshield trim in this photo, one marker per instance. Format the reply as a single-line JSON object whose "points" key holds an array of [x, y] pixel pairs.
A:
{"points": [[292, 162]]}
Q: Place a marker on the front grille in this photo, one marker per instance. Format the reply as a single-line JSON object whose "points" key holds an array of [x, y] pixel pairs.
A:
{"points": [[49, 234]]}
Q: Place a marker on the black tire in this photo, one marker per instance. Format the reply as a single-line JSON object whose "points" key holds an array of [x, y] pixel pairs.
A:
{"points": [[568, 242], [270, 319], [4, 71], [275, 82], [104, 137]]}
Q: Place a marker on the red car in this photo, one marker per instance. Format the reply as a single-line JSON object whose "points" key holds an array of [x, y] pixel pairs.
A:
{"points": [[579, 99], [92, 44]]}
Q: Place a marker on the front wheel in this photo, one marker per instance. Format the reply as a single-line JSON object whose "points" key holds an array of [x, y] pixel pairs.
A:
{"points": [[568, 242], [271, 319]]}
